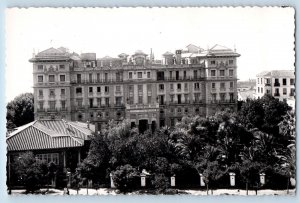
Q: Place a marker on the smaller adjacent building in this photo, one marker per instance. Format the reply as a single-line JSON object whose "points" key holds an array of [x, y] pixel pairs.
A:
{"points": [[64, 143], [246, 89], [278, 83]]}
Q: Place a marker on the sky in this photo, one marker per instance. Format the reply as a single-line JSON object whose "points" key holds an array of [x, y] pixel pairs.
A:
{"points": [[263, 36]]}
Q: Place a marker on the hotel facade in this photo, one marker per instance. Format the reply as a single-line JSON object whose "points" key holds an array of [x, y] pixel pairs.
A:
{"points": [[150, 93]]}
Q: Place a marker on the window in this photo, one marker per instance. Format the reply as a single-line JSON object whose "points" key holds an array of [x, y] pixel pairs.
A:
{"points": [[118, 101], [171, 98], [63, 105], [197, 86], [184, 74], [51, 78], [197, 97], [160, 75], [195, 74], [230, 62], [222, 73], [106, 89], [130, 88], [179, 86], [140, 75], [161, 87], [61, 67], [170, 74], [140, 88], [62, 78], [257, 80], [172, 122], [149, 99], [118, 76], [91, 100], [179, 110], [130, 75], [214, 97], [149, 88], [284, 91], [213, 85], [52, 92], [40, 93], [148, 74], [90, 89], [118, 88], [213, 73], [186, 98], [284, 81], [230, 73], [292, 81], [41, 105], [79, 78], [262, 90], [261, 81], [52, 105], [222, 96], [222, 85], [40, 78], [98, 89], [171, 87], [185, 86], [90, 77], [258, 89], [78, 90], [98, 102], [212, 62], [292, 92], [106, 77], [40, 67], [62, 92], [107, 101], [79, 103], [98, 77], [231, 84], [179, 98], [140, 99]]}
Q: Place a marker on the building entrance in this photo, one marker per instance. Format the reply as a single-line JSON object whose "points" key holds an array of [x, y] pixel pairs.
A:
{"points": [[143, 125]]}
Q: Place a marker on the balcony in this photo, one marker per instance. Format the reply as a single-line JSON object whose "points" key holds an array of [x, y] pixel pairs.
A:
{"points": [[222, 89], [267, 84], [276, 84], [97, 81], [223, 101], [142, 106]]}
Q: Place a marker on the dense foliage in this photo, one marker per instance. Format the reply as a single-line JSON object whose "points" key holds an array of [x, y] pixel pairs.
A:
{"points": [[20, 111], [259, 139]]}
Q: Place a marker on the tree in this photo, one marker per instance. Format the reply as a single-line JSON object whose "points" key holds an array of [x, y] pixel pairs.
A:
{"points": [[20, 111], [30, 171], [264, 113], [125, 178]]}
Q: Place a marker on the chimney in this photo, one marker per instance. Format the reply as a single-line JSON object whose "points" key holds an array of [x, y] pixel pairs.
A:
{"points": [[178, 57]]}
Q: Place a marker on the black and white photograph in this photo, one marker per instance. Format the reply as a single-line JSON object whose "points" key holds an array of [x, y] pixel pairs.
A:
{"points": [[150, 101]]}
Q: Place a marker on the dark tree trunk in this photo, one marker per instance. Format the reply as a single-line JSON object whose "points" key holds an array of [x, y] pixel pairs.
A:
{"points": [[247, 187], [288, 184]]}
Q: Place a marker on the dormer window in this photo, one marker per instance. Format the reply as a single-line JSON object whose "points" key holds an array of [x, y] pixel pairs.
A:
{"points": [[213, 62]]}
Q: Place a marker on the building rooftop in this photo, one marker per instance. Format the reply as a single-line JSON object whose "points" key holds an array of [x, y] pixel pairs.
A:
{"points": [[277, 73], [49, 134]]}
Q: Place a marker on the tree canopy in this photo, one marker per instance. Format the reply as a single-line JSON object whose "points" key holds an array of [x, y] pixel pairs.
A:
{"points": [[20, 111]]}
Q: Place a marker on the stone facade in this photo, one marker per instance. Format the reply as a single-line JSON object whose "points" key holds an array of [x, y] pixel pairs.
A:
{"points": [[149, 92]]}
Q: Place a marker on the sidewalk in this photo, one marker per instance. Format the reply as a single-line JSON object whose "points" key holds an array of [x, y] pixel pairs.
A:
{"points": [[108, 191]]}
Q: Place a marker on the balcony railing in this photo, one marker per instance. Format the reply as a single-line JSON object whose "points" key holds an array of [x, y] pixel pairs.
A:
{"points": [[74, 81], [222, 101], [181, 78], [142, 106]]}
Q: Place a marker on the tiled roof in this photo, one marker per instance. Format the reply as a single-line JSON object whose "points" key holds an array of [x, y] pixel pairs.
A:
{"points": [[219, 50], [47, 134], [277, 73]]}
